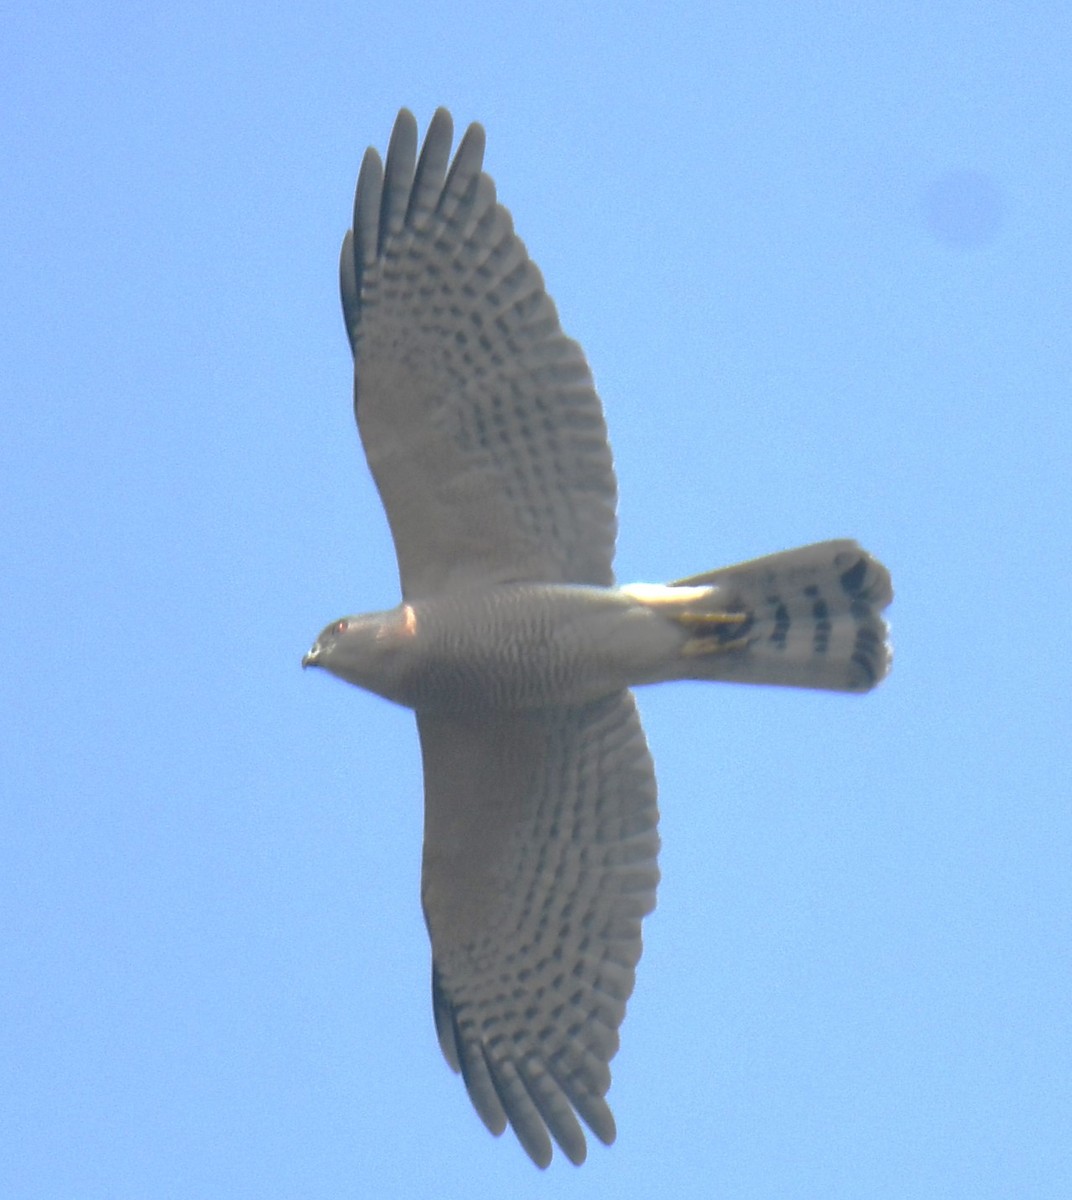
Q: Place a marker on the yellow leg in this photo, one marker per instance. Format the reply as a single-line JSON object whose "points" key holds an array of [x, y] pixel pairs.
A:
{"points": [[702, 621], [713, 633]]}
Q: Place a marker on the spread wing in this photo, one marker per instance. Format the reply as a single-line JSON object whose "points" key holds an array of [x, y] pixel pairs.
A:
{"points": [[479, 417], [539, 863]]}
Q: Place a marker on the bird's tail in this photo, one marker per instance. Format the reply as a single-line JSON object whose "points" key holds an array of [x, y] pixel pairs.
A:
{"points": [[803, 618]]}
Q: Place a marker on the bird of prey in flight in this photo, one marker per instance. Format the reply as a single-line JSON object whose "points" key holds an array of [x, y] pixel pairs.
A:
{"points": [[516, 649]]}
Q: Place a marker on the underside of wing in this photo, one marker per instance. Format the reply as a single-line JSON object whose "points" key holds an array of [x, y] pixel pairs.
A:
{"points": [[539, 864], [479, 417]]}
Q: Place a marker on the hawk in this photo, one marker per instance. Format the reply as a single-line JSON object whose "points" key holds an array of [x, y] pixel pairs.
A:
{"points": [[515, 648]]}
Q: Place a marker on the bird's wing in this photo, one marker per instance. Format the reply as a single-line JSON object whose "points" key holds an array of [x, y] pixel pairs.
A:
{"points": [[540, 853], [479, 417]]}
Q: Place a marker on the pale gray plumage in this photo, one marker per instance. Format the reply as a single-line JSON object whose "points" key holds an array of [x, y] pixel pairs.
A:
{"points": [[533, 904], [486, 439], [479, 417]]}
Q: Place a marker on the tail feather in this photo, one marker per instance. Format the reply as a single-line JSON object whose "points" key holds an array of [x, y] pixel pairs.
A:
{"points": [[802, 618]]}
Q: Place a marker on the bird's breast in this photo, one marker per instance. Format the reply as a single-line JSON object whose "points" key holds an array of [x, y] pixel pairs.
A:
{"points": [[523, 646]]}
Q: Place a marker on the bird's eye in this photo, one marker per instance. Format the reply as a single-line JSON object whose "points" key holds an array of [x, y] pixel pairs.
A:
{"points": [[342, 626]]}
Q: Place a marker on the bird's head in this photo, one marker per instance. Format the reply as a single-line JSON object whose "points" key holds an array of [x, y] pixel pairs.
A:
{"points": [[367, 650]]}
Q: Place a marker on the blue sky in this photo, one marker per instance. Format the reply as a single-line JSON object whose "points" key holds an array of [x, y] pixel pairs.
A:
{"points": [[819, 256]]}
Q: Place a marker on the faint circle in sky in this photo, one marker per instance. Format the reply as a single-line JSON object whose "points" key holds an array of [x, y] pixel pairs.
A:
{"points": [[964, 208]]}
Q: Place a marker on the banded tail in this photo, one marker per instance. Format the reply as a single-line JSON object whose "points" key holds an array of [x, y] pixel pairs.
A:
{"points": [[802, 618]]}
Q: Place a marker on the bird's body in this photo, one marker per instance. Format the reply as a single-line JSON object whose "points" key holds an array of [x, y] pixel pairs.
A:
{"points": [[507, 647], [516, 650], [511, 647]]}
